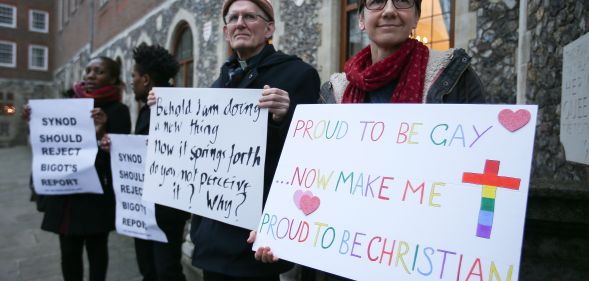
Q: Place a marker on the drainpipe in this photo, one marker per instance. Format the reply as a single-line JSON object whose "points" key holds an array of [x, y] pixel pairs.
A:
{"points": [[523, 52], [91, 25]]}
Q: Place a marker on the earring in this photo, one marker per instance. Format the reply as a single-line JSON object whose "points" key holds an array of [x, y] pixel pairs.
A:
{"points": [[412, 34]]}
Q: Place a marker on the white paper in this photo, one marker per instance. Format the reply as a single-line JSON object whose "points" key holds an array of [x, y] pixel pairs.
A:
{"points": [[134, 217], [351, 177], [63, 140], [574, 112], [206, 153]]}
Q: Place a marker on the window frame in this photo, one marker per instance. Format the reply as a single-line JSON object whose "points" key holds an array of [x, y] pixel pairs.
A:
{"points": [[14, 50], [14, 14], [452, 31], [46, 58], [31, 21], [179, 34], [344, 42]]}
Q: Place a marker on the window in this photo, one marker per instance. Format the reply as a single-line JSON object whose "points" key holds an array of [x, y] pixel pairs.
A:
{"points": [[38, 21], [38, 57], [435, 28], [7, 16], [354, 39], [183, 53], [7, 106], [7, 54]]}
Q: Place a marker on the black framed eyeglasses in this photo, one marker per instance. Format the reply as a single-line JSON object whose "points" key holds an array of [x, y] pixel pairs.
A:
{"points": [[377, 5]]}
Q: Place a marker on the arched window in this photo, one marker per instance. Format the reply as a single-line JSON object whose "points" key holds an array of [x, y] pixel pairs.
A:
{"points": [[435, 28], [183, 53]]}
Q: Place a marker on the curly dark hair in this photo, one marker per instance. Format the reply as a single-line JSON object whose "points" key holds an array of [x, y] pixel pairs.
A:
{"points": [[157, 62]]}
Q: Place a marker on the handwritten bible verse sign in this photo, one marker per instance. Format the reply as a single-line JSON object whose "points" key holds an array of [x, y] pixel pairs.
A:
{"points": [[206, 153], [63, 140], [134, 217], [403, 192]]}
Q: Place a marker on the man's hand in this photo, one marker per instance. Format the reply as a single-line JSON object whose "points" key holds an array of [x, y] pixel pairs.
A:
{"points": [[276, 101]]}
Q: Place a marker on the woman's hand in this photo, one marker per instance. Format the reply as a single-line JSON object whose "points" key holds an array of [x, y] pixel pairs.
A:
{"points": [[105, 143], [263, 254], [276, 101], [100, 120], [151, 98], [26, 113]]}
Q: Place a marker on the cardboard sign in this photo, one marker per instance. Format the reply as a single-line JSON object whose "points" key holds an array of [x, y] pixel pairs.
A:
{"points": [[403, 192], [64, 146], [574, 110], [134, 217], [206, 153]]}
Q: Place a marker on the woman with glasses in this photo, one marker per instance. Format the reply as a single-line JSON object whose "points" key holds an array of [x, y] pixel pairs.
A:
{"points": [[398, 69], [394, 68]]}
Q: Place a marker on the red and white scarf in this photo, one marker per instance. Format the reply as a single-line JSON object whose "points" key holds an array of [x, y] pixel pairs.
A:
{"points": [[407, 65]]}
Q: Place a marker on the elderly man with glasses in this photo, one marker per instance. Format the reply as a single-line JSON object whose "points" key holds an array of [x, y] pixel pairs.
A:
{"points": [[284, 81]]}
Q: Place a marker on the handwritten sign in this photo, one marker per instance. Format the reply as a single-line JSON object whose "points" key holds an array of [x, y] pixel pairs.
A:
{"points": [[206, 153], [403, 192], [134, 217], [574, 110], [64, 146]]}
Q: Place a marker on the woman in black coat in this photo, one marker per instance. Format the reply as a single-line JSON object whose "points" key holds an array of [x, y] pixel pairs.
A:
{"points": [[86, 219]]}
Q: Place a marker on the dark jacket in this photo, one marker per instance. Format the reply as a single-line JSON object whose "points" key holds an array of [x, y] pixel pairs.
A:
{"points": [[220, 247], [456, 83], [85, 213], [170, 220]]}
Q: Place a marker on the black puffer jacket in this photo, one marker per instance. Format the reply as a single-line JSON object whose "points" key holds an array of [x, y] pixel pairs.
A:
{"points": [[220, 247]]}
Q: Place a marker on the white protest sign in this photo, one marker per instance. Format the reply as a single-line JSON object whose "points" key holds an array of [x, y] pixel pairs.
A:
{"points": [[63, 140], [574, 110], [403, 192], [134, 217], [206, 153]]}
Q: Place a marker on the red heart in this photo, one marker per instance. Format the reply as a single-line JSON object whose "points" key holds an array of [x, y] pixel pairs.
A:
{"points": [[514, 121], [309, 204]]}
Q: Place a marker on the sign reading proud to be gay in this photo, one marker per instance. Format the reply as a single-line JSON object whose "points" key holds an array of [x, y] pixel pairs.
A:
{"points": [[403, 192]]}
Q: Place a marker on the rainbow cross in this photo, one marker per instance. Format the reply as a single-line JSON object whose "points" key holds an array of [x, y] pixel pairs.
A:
{"points": [[490, 182]]}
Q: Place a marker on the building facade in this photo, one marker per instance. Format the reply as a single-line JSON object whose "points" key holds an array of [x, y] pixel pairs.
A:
{"points": [[26, 47], [516, 49]]}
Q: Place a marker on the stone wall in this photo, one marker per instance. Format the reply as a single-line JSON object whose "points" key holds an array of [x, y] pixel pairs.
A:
{"points": [[12, 129], [302, 32], [553, 24], [494, 48]]}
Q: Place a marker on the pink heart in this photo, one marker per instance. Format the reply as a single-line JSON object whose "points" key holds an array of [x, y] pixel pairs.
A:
{"points": [[309, 204], [514, 121], [297, 197]]}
